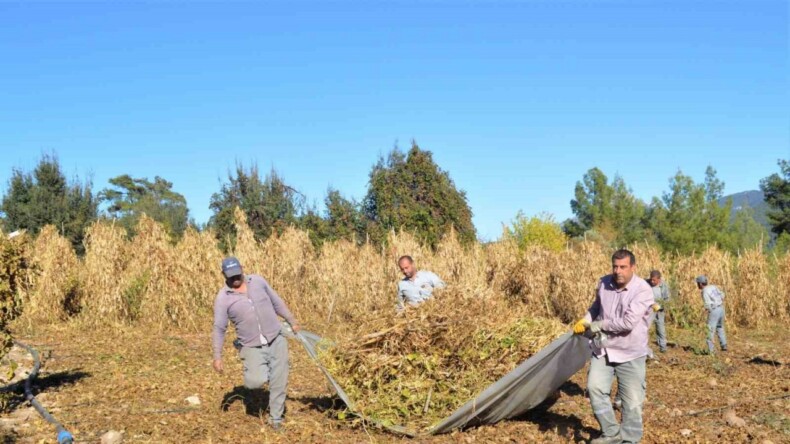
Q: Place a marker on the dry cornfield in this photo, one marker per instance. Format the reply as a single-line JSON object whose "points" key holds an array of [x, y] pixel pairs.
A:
{"points": [[150, 280], [498, 297]]}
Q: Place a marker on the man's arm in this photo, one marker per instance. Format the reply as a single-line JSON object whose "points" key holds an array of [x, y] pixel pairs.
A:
{"points": [[220, 326], [665, 291], [279, 305], [595, 308], [707, 301], [635, 311], [401, 303]]}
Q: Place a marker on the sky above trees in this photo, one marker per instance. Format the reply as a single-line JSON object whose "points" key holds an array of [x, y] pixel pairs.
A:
{"points": [[516, 100]]}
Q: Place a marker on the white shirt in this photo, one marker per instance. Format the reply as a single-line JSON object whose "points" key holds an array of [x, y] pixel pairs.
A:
{"points": [[419, 289]]}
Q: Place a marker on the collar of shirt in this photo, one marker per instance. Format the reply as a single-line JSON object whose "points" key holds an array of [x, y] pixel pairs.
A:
{"points": [[413, 277], [613, 285], [229, 290]]}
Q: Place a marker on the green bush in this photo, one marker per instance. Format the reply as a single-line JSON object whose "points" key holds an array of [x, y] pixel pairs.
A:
{"points": [[541, 230]]}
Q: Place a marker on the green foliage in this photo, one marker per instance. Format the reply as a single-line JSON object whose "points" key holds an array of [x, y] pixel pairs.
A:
{"points": [[628, 214], [688, 216], [315, 225], [270, 204], [132, 295], [44, 196], [343, 217], [539, 230], [130, 198], [782, 244], [410, 191], [777, 195], [746, 232], [592, 203], [609, 212]]}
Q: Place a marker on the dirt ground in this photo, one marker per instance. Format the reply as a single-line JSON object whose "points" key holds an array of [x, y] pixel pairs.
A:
{"points": [[136, 381]]}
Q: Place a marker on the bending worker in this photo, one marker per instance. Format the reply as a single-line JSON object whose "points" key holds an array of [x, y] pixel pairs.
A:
{"points": [[619, 317], [713, 300], [416, 286]]}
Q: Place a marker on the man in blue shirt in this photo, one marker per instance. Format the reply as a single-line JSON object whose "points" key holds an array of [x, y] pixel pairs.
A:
{"points": [[416, 286]]}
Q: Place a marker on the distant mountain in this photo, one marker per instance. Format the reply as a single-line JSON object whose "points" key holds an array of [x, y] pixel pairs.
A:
{"points": [[754, 199]]}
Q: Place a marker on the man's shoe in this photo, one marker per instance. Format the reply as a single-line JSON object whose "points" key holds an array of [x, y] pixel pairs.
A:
{"points": [[724, 349], [278, 427], [607, 440], [662, 350]]}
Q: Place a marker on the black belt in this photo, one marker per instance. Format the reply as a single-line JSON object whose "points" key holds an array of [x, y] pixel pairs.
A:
{"points": [[269, 342]]}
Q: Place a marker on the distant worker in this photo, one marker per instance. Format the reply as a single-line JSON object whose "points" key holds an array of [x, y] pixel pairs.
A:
{"points": [[713, 300], [661, 297], [252, 306], [619, 319], [416, 286]]}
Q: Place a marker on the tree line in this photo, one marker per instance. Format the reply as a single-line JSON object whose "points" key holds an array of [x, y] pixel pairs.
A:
{"points": [[685, 218], [407, 190]]}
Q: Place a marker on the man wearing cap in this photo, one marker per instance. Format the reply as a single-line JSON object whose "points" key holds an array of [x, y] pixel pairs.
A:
{"points": [[713, 300], [253, 306], [619, 319], [416, 286]]}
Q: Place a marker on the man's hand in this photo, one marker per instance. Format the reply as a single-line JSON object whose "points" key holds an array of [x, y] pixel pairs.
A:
{"points": [[580, 326], [656, 307], [218, 367], [596, 327], [296, 328]]}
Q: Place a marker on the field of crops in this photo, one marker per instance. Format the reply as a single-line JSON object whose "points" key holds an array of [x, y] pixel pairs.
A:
{"points": [[127, 327]]}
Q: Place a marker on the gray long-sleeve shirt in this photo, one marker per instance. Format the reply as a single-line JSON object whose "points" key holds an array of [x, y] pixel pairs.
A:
{"points": [[712, 297], [254, 314], [419, 289], [661, 292]]}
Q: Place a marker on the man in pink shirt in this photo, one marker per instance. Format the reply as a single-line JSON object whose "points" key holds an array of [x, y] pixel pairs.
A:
{"points": [[619, 318]]}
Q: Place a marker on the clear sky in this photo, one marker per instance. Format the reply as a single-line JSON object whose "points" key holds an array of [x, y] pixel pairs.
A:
{"points": [[516, 99]]}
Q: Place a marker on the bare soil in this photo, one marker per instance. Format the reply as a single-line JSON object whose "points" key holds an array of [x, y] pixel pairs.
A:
{"points": [[136, 380]]}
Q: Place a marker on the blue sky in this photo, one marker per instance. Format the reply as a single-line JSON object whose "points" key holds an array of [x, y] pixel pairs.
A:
{"points": [[516, 99]]}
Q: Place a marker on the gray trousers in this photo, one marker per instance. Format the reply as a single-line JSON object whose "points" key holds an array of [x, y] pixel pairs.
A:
{"points": [[631, 385], [661, 328], [268, 364], [716, 323]]}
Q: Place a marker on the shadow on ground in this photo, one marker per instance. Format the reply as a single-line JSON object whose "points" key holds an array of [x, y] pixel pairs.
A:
{"points": [[561, 424], [761, 361], [323, 404], [15, 393], [255, 401]]}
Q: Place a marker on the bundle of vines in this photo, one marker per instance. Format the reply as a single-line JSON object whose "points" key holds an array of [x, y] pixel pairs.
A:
{"points": [[415, 368]]}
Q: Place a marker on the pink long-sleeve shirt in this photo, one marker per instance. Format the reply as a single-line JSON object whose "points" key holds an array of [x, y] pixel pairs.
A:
{"points": [[625, 314]]}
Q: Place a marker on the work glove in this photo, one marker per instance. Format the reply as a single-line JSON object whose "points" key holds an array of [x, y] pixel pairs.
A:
{"points": [[596, 327], [580, 326], [656, 307]]}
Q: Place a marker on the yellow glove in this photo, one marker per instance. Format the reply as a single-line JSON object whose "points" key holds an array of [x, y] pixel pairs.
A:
{"points": [[580, 326], [655, 307]]}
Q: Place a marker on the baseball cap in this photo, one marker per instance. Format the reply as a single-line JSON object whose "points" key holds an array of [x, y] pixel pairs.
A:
{"points": [[702, 279], [231, 267]]}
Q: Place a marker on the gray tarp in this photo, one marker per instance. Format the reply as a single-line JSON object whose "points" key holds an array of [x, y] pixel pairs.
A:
{"points": [[522, 389]]}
